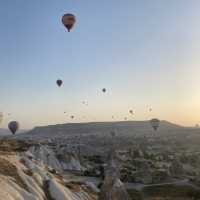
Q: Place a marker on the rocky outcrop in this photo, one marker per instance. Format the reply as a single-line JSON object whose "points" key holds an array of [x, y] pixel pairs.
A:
{"points": [[113, 188], [57, 160], [25, 177]]}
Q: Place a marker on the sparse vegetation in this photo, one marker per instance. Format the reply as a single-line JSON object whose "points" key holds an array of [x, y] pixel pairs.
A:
{"points": [[171, 192], [135, 194]]}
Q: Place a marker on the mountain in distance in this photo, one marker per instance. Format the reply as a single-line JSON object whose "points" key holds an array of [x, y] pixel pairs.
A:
{"points": [[6, 132], [100, 128]]}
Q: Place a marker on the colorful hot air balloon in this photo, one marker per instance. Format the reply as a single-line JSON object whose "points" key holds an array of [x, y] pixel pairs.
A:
{"points": [[59, 82], [68, 21], [155, 123], [13, 126]]}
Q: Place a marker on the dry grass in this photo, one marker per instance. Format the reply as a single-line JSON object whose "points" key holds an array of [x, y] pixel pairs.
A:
{"points": [[8, 169], [73, 187], [28, 172], [9, 146]]}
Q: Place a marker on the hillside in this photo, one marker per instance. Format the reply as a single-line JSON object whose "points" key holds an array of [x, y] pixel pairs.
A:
{"points": [[95, 128], [4, 132], [25, 176]]}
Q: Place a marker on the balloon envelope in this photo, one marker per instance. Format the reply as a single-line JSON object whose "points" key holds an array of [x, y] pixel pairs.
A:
{"points": [[155, 123], [104, 90], [13, 126], [68, 21], [131, 112], [59, 82]]}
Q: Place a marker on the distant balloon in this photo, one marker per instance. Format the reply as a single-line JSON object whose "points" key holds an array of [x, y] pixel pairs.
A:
{"points": [[59, 82], [131, 112], [13, 126], [155, 123], [104, 90], [85, 103], [72, 116], [68, 21]]}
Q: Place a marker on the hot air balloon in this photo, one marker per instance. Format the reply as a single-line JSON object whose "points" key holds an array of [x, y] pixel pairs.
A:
{"points": [[72, 116], [131, 112], [85, 103], [13, 126], [68, 21], [155, 123], [1, 117], [104, 90], [59, 82]]}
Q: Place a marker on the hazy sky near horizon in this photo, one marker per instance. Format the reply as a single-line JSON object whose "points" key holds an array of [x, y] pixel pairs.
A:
{"points": [[145, 53]]}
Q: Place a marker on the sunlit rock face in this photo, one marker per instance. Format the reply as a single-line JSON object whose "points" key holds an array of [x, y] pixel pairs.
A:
{"points": [[59, 161], [23, 176]]}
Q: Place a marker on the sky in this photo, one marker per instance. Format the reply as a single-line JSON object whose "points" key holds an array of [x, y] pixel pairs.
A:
{"points": [[145, 53]]}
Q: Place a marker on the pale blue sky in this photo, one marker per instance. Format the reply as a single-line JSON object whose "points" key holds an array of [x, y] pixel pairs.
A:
{"points": [[146, 53]]}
